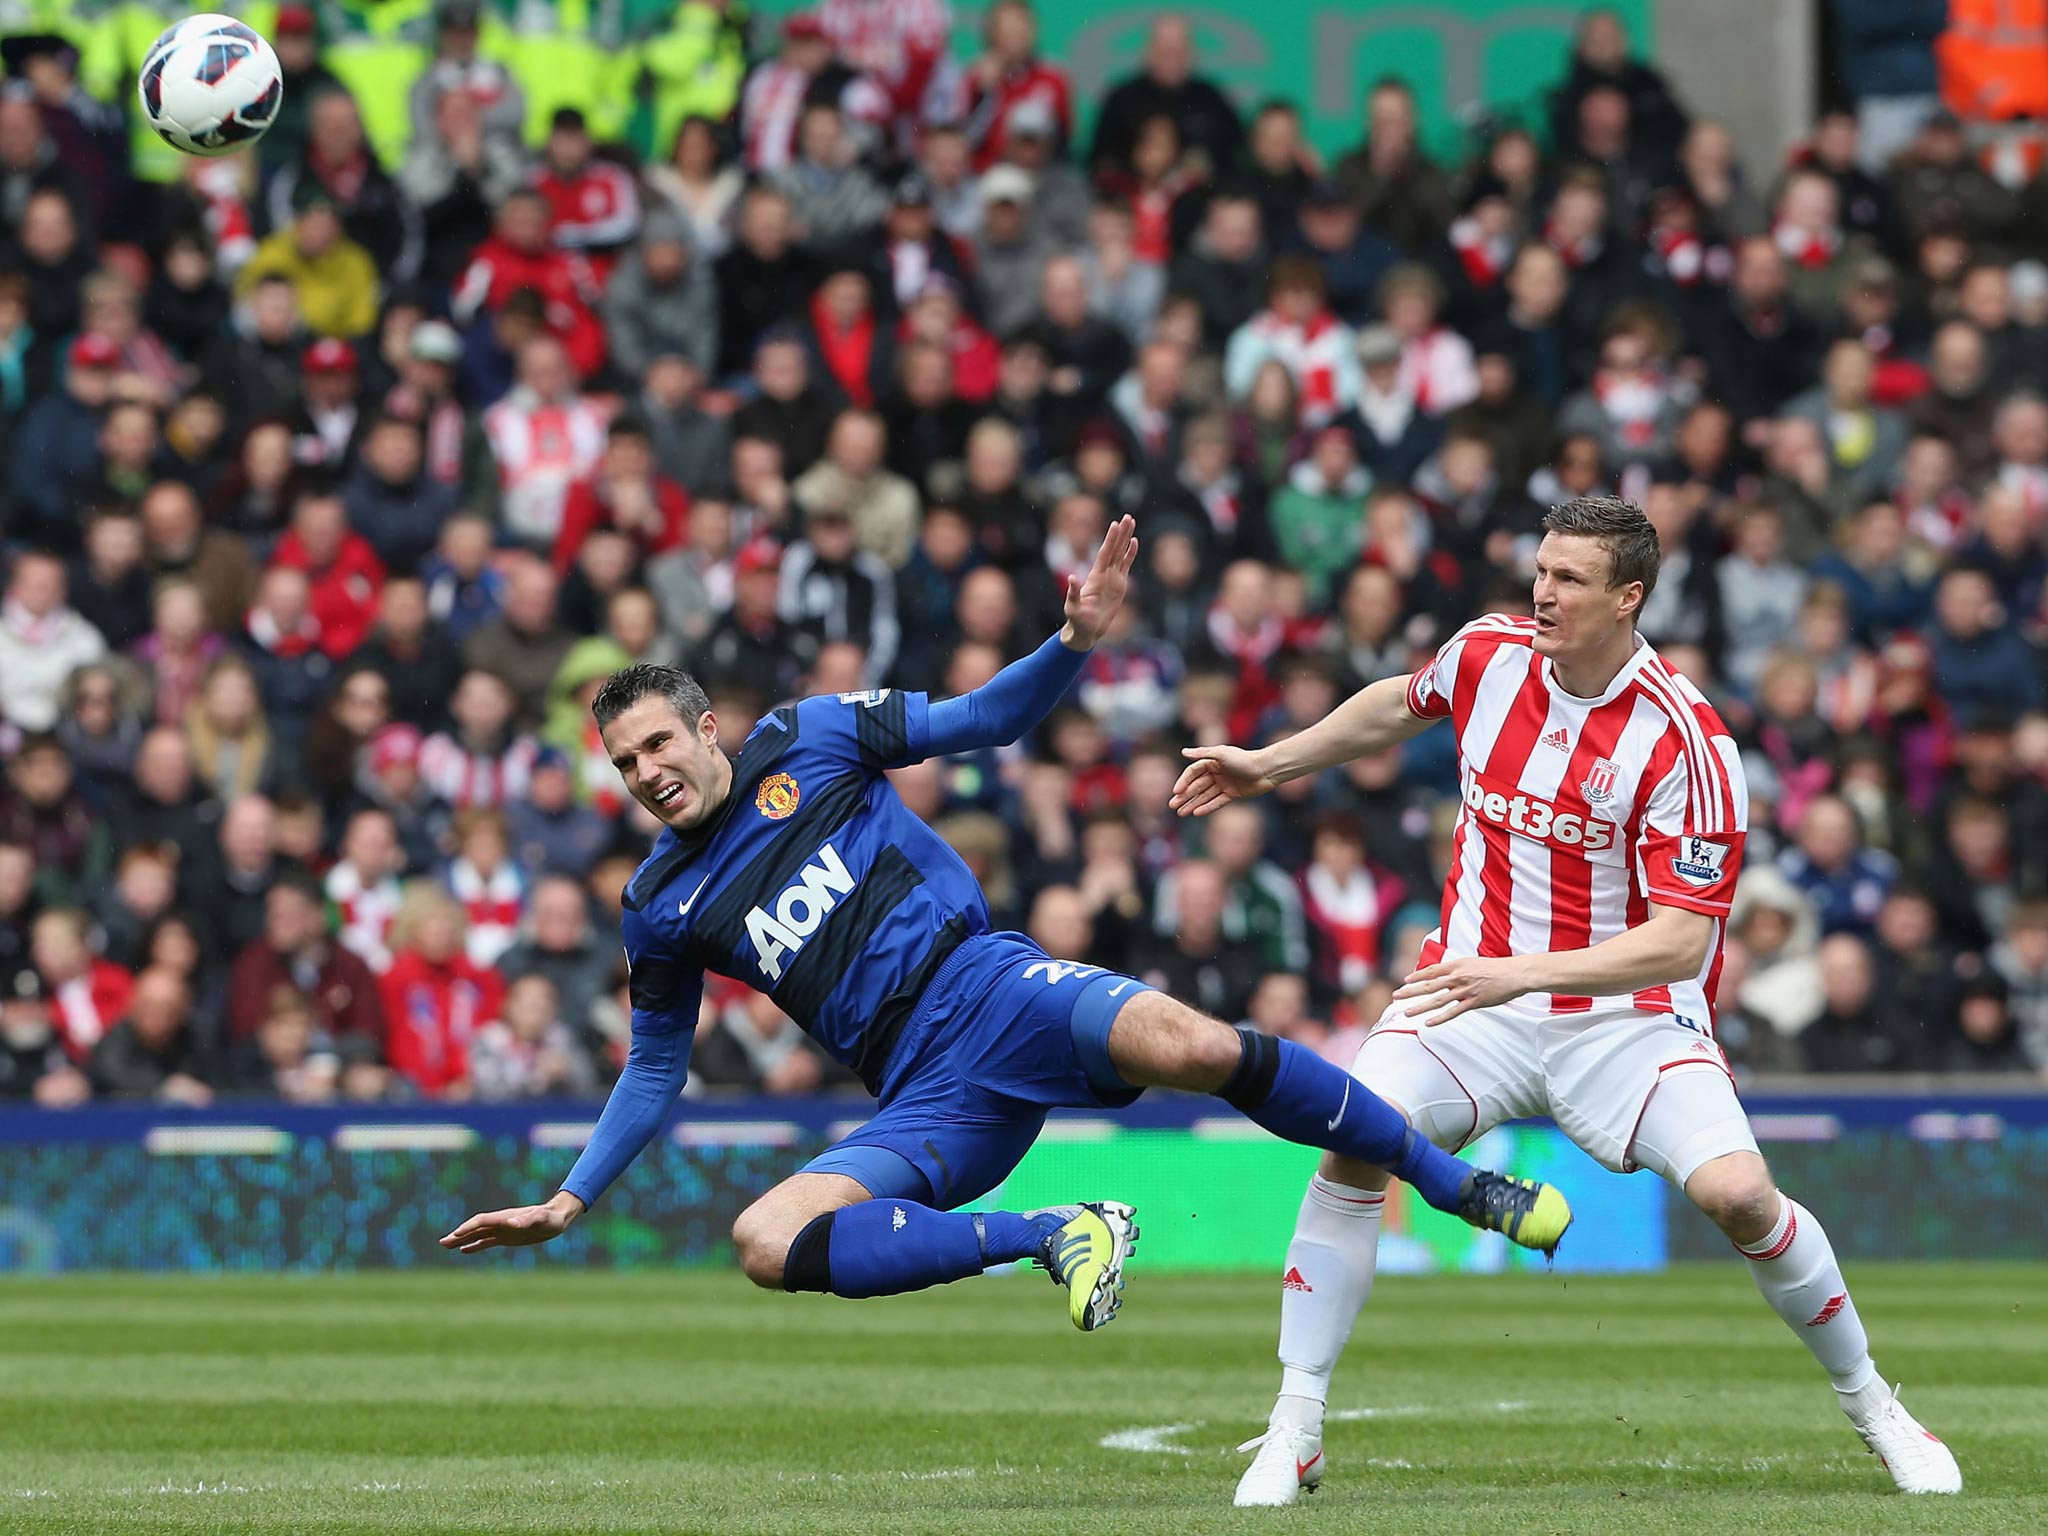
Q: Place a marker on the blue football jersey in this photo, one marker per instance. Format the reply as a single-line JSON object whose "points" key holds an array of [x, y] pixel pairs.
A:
{"points": [[813, 883]]}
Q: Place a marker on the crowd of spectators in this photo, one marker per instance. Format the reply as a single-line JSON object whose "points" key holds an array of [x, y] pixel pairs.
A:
{"points": [[338, 484]]}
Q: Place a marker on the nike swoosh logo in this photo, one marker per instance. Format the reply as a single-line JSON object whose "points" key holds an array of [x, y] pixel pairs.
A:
{"points": [[683, 907], [1117, 990], [1303, 1468], [1346, 1104]]}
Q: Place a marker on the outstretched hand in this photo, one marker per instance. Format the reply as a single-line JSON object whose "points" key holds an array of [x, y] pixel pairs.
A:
{"points": [[1214, 777], [1092, 600], [520, 1227]]}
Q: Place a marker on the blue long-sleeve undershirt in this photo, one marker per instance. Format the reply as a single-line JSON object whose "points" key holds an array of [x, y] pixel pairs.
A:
{"points": [[1006, 706], [658, 1062]]}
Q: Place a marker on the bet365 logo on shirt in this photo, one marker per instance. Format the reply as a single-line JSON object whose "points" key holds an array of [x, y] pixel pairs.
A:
{"points": [[803, 905]]}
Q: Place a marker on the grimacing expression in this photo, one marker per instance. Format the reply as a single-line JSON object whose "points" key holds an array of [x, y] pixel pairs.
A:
{"points": [[671, 767]]}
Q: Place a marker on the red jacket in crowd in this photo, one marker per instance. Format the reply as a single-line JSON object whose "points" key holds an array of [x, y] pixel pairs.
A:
{"points": [[87, 1008], [589, 508], [563, 279], [343, 595], [431, 1013]]}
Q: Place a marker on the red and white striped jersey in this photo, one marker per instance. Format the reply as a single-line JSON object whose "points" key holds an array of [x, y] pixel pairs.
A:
{"points": [[1580, 813]]}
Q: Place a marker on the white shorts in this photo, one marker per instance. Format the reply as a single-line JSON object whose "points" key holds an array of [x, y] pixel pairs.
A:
{"points": [[1633, 1089]]}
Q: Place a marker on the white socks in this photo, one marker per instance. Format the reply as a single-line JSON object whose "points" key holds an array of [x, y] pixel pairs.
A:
{"points": [[1795, 1268], [1329, 1274]]}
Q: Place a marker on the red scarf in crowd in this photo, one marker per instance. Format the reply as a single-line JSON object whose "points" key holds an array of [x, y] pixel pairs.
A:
{"points": [[848, 353], [1632, 402], [1484, 259], [1804, 249], [1576, 253]]}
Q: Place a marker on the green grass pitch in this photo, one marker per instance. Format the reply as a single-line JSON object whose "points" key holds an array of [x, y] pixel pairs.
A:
{"points": [[564, 1402]]}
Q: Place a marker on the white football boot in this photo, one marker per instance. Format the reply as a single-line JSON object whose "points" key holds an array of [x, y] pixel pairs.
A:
{"points": [[1289, 1464], [1916, 1459]]}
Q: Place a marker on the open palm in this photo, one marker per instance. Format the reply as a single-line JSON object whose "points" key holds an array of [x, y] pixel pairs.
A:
{"points": [[1092, 600]]}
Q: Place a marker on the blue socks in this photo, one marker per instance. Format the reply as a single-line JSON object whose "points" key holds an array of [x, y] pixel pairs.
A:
{"points": [[1294, 1093], [887, 1247]]}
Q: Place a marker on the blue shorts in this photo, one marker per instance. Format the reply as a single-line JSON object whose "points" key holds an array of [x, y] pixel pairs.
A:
{"points": [[1004, 1034]]}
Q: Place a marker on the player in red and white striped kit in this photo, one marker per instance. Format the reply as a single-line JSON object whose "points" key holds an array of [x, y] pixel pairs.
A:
{"points": [[1574, 971]]}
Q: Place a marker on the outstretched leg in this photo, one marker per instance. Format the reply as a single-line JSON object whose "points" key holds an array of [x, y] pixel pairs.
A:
{"points": [[1692, 1115], [863, 1220], [1156, 1041]]}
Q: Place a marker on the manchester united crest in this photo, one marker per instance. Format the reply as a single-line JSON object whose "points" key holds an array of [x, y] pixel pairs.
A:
{"points": [[777, 796]]}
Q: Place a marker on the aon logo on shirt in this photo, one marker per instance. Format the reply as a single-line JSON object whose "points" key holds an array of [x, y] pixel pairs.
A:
{"points": [[807, 901], [1531, 816]]}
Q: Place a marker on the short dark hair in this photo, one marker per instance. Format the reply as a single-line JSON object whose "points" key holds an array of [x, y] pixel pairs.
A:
{"points": [[627, 687], [1620, 528]]}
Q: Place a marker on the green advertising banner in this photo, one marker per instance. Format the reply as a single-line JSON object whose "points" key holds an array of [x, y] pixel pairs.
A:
{"points": [[1462, 57]]}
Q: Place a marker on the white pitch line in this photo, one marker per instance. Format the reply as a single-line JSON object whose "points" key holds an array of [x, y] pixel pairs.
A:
{"points": [[1156, 1439], [1150, 1440]]}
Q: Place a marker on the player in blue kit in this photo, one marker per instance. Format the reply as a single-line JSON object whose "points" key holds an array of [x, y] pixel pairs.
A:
{"points": [[795, 868]]}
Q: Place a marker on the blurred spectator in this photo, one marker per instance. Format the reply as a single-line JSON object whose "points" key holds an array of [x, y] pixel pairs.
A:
{"points": [[1846, 883], [231, 886], [750, 645], [1297, 330], [832, 197], [42, 640], [516, 259], [1193, 958], [482, 760], [33, 1066], [790, 408], [457, 171], [661, 300], [1167, 85], [338, 166], [1980, 660], [546, 436], [286, 1057], [899, 45], [43, 811], [1850, 1034], [763, 281], [1060, 193], [153, 1053], [60, 438], [102, 707], [488, 882], [435, 1000], [362, 889], [333, 279], [232, 748], [593, 203], [88, 995], [296, 951], [531, 1049]]}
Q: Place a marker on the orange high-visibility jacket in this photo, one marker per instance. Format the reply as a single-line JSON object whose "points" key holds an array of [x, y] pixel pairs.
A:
{"points": [[1993, 59]]}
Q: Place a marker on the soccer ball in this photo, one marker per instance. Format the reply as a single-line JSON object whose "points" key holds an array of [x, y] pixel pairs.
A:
{"points": [[210, 85]]}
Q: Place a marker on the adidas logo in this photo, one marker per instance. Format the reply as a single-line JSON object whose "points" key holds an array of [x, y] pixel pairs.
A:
{"points": [[1292, 1281], [1558, 739], [1831, 1311]]}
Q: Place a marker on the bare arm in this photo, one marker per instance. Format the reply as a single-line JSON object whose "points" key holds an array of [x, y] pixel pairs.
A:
{"points": [[1671, 946], [1373, 719]]}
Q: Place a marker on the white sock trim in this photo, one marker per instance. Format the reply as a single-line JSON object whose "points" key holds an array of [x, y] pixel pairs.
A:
{"points": [[1343, 1200], [1780, 1236]]}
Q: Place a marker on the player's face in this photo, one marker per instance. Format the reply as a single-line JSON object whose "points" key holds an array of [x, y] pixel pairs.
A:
{"points": [[672, 768], [1576, 608]]}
